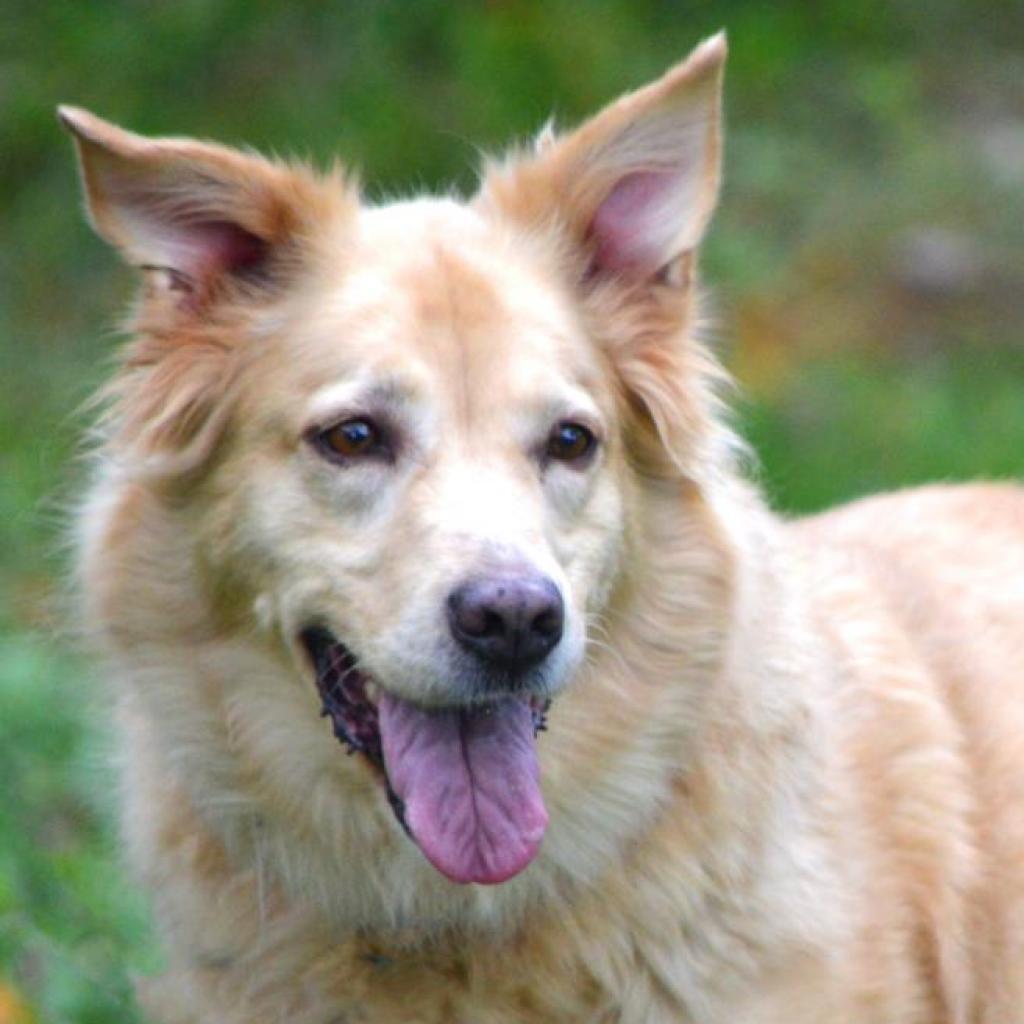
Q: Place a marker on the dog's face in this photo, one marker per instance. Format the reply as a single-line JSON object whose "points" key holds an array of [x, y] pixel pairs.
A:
{"points": [[451, 438], [425, 469], [414, 438]]}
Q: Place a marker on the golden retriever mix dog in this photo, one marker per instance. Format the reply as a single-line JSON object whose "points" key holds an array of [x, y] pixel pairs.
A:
{"points": [[445, 482]]}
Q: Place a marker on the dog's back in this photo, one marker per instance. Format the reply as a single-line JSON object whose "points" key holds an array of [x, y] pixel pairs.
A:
{"points": [[932, 630]]}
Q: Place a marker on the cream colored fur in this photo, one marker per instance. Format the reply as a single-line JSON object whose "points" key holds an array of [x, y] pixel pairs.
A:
{"points": [[785, 762]]}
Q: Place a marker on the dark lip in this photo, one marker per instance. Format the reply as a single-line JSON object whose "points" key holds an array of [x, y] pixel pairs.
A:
{"points": [[342, 688], [332, 657]]}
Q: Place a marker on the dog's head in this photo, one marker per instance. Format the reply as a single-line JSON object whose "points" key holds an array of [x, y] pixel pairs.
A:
{"points": [[416, 441]]}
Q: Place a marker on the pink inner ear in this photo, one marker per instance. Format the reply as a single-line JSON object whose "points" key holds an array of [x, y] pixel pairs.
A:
{"points": [[209, 248], [636, 225]]}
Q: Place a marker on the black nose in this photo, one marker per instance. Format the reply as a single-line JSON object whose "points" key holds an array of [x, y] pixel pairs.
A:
{"points": [[511, 622]]}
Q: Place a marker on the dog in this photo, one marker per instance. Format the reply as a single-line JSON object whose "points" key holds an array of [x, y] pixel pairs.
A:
{"points": [[447, 484]]}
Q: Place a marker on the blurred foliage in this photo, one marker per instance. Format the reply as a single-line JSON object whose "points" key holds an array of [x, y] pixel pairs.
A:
{"points": [[867, 271]]}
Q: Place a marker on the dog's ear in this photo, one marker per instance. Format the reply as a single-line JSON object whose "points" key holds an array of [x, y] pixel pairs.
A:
{"points": [[626, 198], [220, 231], [202, 214], [636, 184], [645, 173]]}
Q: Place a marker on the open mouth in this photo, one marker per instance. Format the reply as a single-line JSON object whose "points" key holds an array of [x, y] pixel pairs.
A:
{"points": [[463, 781]]}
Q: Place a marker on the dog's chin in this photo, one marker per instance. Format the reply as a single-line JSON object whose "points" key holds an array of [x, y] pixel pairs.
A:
{"points": [[462, 778]]}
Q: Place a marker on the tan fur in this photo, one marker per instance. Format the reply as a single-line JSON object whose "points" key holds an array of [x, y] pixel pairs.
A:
{"points": [[785, 762]]}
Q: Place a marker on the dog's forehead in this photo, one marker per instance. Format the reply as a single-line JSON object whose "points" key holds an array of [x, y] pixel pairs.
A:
{"points": [[442, 261], [436, 285], [403, 226]]}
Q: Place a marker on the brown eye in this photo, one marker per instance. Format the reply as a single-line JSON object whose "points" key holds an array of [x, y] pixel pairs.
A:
{"points": [[351, 439], [570, 442]]}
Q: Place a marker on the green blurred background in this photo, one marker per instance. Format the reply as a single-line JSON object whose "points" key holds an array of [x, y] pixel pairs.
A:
{"points": [[867, 272]]}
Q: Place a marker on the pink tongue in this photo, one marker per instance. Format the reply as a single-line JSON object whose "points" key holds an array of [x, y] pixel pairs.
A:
{"points": [[470, 784]]}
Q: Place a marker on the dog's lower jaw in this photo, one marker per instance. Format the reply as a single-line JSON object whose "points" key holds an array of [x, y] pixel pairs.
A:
{"points": [[462, 782]]}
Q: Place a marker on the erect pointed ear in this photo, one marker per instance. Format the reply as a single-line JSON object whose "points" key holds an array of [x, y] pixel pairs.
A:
{"points": [[635, 185], [197, 211], [619, 205], [208, 218]]}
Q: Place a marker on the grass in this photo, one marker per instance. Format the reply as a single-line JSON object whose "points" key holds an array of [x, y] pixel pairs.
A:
{"points": [[868, 266], [71, 928]]}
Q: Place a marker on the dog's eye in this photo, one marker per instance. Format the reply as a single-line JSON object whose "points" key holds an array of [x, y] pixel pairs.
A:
{"points": [[351, 439], [570, 442]]}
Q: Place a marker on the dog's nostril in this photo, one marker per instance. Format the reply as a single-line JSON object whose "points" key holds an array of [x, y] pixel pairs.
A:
{"points": [[472, 618], [548, 622], [479, 621], [512, 622], [494, 625]]}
